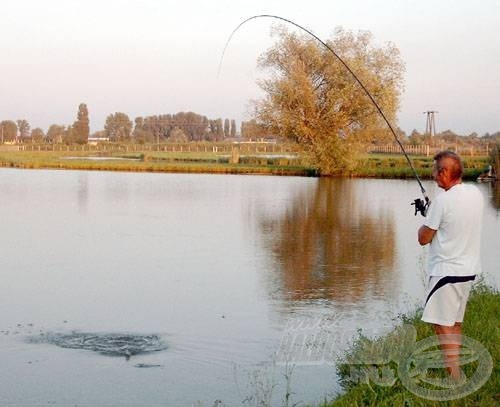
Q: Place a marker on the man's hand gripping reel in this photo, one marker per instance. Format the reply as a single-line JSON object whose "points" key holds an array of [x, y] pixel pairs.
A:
{"points": [[421, 205]]}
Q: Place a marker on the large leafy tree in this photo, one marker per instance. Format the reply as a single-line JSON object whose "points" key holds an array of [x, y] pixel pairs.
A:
{"points": [[37, 135], [219, 130], [8, 131], [311, 98], [233, 128], [24, 129], [194, 126], [55, 133], [252, 130], [118, 127], [177, 135], [226, 128], [80, 130]]}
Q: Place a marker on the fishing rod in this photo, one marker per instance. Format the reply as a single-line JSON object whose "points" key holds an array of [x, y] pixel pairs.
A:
{"points": [[420, 205]]}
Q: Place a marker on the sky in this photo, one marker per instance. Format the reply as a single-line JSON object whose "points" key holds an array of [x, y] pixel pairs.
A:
{"points": [[146, 57]]}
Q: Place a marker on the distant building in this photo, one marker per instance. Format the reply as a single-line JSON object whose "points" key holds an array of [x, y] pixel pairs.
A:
{"points": [[96, 140]]}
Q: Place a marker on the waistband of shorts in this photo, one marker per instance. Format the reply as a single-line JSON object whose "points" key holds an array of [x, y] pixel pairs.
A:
{"points": [[449, 280]]}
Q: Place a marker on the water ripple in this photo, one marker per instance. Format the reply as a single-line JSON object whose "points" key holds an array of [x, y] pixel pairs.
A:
{"points": [[112, 344]]}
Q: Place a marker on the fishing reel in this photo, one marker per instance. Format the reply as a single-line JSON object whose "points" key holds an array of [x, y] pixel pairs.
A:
{"points": [[421, 206]]}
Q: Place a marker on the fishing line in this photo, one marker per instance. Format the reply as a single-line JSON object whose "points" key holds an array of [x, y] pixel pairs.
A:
{"points": [[420, 205]]}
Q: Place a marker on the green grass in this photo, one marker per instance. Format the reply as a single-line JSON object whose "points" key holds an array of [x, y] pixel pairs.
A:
{"points": [[152, 162], [369, 165], [396, 166], [481, 324]]}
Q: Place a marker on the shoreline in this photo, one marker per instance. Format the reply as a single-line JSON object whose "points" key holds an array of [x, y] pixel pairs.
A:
{"points": [[482, 310], [382, 166]]}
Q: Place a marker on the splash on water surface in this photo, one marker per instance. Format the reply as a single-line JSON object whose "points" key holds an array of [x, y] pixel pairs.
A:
{"points": [[112, 344]]}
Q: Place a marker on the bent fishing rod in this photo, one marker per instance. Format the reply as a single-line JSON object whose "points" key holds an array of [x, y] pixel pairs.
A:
{"points": [[420, 205]]}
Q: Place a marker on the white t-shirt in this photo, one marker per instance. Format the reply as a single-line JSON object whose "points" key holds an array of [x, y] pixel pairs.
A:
{"points": [[456, 216]]}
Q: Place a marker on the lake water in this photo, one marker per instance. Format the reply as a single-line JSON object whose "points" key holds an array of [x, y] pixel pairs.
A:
{"points": [[204, 272]]}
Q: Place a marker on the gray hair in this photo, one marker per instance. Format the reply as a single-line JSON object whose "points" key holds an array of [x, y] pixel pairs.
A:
{"points": [[451, 161]]}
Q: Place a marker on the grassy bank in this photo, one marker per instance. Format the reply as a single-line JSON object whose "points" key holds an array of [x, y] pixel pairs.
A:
{"points": [[369, 165], [152, 162], [396, 166], [481, 324]]}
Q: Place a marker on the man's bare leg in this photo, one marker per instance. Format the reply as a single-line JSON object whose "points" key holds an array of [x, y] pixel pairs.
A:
{"points": [[451, 351]]}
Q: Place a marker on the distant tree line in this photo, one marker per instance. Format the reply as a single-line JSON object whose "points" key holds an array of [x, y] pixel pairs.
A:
{"points": [[252, 130], [19, 131], [190, 126], [448, 138], [179, 127]]}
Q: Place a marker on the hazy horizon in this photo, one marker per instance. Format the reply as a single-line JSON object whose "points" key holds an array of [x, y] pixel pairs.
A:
{"points": [[155, 57]]}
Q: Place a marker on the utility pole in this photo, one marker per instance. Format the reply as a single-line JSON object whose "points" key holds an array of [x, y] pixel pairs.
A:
{"points": [[430, 125]]}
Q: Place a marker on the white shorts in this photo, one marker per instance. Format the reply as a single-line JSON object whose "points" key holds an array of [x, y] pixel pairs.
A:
{"points": [[446, 299]]}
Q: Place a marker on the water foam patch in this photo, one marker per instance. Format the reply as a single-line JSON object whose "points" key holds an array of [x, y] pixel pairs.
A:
{"points": [[111, 344]]}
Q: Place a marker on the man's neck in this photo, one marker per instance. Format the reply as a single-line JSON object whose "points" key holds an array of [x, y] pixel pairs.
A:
{"points": [[452, 184]]}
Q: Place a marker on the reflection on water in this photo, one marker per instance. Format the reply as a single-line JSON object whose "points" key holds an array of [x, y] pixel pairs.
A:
{"points": [[83, 191], [494, 190], [332, 244], [216, 265]]}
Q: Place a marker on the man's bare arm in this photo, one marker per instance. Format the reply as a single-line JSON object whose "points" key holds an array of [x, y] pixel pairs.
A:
{"points": [[425, 235]]}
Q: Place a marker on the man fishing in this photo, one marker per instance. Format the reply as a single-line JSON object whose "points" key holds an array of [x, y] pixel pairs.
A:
{"points": [[452, 229]]}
